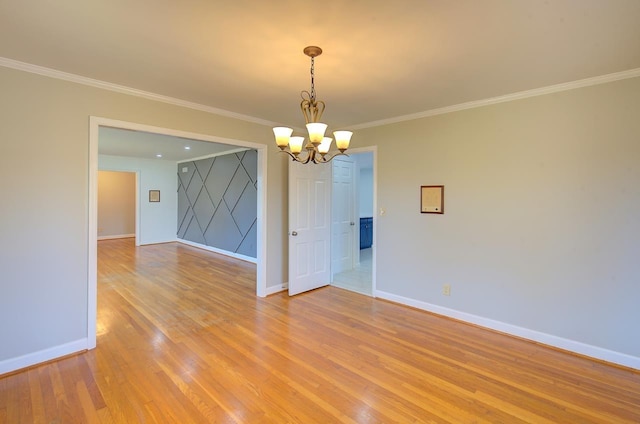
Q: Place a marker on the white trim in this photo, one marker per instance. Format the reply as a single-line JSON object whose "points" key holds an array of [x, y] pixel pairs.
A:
{"points": [[275, 289], [138, 208], [219, 251], [603, 79], [52, 73], [213, 155], [536, 336], [92, 238], [121, 236], [24, 361], [261, 224]]}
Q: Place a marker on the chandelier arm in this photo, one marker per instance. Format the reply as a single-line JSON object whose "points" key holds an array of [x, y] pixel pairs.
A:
{"points": [[297, 158], [293, 157], [312, 110], [305, 107], [309, 158], [312, 156], [325, 160], [319, 110]]}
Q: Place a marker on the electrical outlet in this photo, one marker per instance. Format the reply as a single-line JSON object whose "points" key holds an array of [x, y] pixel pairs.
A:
{"points": [[446, 290]]}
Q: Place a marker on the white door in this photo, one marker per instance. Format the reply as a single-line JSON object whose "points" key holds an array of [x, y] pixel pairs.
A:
{"points": [[343, 215], [309, 226]]}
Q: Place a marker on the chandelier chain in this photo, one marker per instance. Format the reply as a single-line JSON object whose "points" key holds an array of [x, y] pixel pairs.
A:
{"points": [[313, 87]]}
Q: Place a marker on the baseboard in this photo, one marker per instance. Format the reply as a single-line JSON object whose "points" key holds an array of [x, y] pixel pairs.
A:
{"points": [[15, 364], [121, 236], [277, 289], [216, 250], [525, 333]]}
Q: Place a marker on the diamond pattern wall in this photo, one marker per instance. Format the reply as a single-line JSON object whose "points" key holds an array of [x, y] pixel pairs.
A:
{"points": [[218, 200]]}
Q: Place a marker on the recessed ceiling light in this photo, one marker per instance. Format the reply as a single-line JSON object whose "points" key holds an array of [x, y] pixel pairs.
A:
{"points": [[158, 155], [187, 148]]}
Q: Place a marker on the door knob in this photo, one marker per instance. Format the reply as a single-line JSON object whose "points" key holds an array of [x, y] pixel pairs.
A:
{"points": [[294, 233], [352, 223]]}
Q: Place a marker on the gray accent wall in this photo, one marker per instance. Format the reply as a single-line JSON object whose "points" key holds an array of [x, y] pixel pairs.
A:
{"points": [[217, 202]]}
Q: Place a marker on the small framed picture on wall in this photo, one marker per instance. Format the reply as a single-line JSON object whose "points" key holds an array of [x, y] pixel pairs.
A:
{"points": [[154, 195], [432, 199]]}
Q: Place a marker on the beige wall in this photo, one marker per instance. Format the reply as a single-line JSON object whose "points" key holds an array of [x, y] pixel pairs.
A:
{"points": [[116, 203], [541, 229]]}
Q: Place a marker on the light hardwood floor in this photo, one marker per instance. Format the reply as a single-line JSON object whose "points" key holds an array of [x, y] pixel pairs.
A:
{"points": [[182, 338]]}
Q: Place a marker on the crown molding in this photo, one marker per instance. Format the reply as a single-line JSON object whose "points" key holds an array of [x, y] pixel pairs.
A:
{"points": [[632, 73], [52, 73]]}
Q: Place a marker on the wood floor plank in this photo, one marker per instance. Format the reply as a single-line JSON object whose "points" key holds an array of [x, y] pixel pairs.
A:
{"points": [[36, 398], [182, 338]]}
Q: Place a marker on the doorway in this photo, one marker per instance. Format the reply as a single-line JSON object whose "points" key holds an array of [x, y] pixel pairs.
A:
{"points": [[360, 276], [95, 124], [117, 204]]}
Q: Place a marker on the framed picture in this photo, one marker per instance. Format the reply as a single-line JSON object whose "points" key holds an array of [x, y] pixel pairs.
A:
{"points": [[432, 199], [154, 195]]}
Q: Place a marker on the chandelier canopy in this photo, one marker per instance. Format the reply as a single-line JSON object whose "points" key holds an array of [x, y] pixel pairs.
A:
{"points": [[318, 145]]}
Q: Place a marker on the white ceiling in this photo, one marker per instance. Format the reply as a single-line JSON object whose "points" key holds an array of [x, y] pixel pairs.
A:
{"points": [[120, 142], [382, 59]]}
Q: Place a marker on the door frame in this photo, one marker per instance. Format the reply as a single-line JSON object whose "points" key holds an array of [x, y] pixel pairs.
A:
{"points": [[95, 123]]}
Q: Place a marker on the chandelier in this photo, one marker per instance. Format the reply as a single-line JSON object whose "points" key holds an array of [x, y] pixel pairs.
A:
{"points": [[318, 145]]}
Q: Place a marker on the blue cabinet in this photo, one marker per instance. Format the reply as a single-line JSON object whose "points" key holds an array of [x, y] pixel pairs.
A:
{"points": [[366, 232]]}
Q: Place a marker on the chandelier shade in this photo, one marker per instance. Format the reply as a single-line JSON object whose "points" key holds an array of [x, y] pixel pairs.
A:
{"points": [[316, 132], [295, 144], [282, 135], [318, 145], [325, 146]]}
